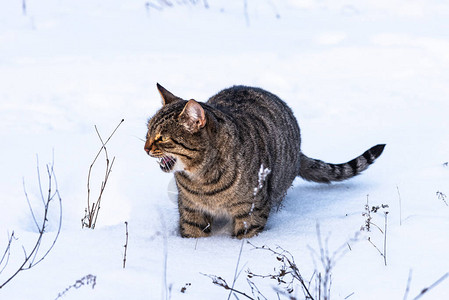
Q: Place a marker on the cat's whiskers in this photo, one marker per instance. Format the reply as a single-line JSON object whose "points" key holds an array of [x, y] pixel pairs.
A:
{"points": [[172, 163], [141, 139]]}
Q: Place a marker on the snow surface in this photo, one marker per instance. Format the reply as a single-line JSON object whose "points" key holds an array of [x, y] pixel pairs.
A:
{"points": [[355, 74]]}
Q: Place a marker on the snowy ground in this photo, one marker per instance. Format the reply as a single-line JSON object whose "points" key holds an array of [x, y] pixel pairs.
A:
{"points": [[354, 74]]}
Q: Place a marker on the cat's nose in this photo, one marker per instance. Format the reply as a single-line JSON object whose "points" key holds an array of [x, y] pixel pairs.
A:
{"points": [[148, 146]]}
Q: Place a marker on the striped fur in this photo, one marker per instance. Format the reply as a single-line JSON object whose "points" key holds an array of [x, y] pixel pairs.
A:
{"points": [[320, 171], [218, 149]]}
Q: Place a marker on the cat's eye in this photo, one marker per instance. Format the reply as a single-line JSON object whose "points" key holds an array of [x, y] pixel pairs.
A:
{"points": [[161, 139]]}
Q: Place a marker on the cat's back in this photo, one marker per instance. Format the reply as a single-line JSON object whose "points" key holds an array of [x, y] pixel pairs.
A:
{"points": [[261, 110], [241, 99]]}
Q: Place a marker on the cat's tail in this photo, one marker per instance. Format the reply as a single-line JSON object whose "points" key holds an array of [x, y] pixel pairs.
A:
{"points": [[320, 171]]}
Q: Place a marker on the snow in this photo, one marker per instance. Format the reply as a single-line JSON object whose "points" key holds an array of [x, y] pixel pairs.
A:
{"points": [[262, 175], [355, 74]]}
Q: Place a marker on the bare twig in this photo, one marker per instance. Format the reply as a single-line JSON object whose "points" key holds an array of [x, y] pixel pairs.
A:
{"points": [[400, 206], [385, 237], [86, 280], [205, 228], [328, 262], [162, 4], [236, 273], [24, 7], [91, 212], [7, 252], [350, 295], [31, 259], [425, 290], [217, 280], [29, 204], [407, 289], [369, 223], [125, 246], [374, 245], [288, 267], [288, 275], [255, 290], [166, 288], [442, 196]]}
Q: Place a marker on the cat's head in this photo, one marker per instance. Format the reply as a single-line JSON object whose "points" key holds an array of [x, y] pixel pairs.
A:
{"points": [[176, 133]]}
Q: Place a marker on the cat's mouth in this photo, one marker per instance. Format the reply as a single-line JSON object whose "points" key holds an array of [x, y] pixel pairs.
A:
{"points": [[167, 163]]}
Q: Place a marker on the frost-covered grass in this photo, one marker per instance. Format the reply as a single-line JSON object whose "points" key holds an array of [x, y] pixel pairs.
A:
{"points": [[354, 74]]}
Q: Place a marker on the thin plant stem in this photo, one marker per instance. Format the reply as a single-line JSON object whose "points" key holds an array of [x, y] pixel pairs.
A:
{"points": [[385, 238], [30, 258], [409, 280], [93, 208], [425, 290], [125, 246], [400, 206], [236, 268]]}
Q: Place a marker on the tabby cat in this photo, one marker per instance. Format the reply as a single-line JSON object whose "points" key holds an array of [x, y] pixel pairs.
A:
{"points": [[234, 157]]}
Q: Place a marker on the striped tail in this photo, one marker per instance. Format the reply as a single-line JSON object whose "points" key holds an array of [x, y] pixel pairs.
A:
{"points": [[320, 171]]}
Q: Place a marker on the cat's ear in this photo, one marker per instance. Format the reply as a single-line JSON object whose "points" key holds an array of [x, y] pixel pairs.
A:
{"points": [[193, 116], [167, 97]]}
